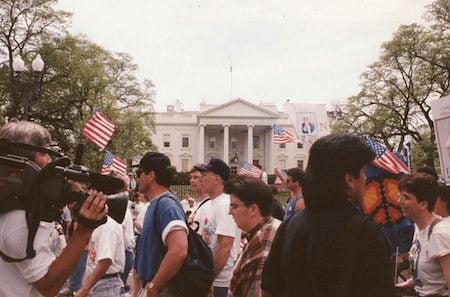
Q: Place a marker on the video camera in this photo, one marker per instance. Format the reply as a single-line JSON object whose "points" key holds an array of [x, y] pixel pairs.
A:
{"points": [[43, 192], [22, 181]]}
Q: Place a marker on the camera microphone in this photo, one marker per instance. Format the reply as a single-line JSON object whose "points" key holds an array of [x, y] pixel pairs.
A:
{"points": [[117, 204]]}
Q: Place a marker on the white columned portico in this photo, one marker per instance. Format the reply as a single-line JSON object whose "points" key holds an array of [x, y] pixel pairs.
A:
{"points": [[250, 144], [201, 144], [226, 145]]}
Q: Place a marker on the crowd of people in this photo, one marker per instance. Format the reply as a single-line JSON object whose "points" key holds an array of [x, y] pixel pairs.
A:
{"points": [[318, 244]]}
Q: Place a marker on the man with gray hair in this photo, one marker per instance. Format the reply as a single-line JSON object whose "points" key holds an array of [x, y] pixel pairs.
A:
{"points": [[42, 274]]}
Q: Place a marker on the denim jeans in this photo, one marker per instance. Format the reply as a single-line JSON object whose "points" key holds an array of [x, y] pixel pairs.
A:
{"points": [[220, 291], [164, 292], [129, 261], [77, 275], [110, 287]]}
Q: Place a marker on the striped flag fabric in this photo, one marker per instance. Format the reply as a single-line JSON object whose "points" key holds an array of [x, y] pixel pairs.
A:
{"points": [[385, 159], [99, 129], [249, 169], [281, 135], [113, 163]]}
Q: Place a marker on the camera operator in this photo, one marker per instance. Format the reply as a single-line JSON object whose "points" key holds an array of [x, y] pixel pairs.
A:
{"points": [[42, 275]]}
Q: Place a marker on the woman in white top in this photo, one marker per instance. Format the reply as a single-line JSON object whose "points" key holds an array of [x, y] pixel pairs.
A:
{"points": [[430, 250]]}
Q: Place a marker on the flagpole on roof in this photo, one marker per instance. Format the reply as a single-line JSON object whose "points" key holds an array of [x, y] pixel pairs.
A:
{"points": [[231, 80]]}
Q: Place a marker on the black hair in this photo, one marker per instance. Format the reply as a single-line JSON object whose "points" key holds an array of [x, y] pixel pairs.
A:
{"points": [[251, 190], [444, 194], [428, 170], [297, 174], [422, 185], [330, 159], [164, 177]]}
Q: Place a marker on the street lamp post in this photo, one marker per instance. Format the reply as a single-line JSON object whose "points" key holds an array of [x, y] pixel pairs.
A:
{"points": [[27, 87]]}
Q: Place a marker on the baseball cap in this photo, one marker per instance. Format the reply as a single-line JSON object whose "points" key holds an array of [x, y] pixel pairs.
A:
{"points": [[217, 166], [154, 161]]}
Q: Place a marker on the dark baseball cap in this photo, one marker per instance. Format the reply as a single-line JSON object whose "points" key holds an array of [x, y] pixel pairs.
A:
{"points": [[217, 166], [154, 161]]}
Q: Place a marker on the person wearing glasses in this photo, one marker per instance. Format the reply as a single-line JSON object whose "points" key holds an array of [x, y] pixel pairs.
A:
{"points": [[251, 207]]}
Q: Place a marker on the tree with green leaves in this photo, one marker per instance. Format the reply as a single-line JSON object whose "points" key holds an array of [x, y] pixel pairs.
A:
{"points": [[413, 69], [79, 76]]}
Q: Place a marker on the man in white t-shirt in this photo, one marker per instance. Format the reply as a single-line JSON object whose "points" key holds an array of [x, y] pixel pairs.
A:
{"points": [[222, 234], [44, 274], [105, 262], [197, 219]]}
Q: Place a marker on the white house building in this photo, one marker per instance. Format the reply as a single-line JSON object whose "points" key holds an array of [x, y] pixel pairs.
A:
{"points": [[236, 131]]}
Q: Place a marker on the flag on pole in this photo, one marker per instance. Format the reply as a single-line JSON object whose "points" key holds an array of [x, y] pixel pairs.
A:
{"points": [[281, 135], [385, 159], [249, 169], [99, 129], [113, 163]]}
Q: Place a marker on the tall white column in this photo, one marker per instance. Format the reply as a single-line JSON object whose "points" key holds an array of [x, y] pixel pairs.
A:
{"points": [[250, 144], [226, 144], [201, 144]]}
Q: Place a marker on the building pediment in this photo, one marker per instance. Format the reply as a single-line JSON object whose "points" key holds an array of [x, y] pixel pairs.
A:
{"points": [[238, 108]]}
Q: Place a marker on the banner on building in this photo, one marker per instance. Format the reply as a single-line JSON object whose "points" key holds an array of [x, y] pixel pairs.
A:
{"points": [[440, 109], [309, 120]]}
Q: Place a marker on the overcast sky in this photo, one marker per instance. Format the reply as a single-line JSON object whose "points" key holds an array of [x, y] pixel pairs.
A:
{"points": [[308, 51]]}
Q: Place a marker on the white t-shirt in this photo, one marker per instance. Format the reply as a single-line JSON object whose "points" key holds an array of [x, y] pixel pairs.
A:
{"points": [[199, 215], [141, 215], [106, 243], [264, 177], [220, 222], [128, 233], [17, 278], [424, 257], [185, 204], [57, 239]]}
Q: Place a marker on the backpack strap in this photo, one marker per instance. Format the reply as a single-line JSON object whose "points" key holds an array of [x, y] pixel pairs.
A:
{"points": [[155, 222], [347, 262], [195, 213], [33, 218], [433, 223], [203, 202]]}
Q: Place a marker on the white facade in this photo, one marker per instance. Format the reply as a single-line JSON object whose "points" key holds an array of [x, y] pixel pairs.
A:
{"points": [[237, 128]]}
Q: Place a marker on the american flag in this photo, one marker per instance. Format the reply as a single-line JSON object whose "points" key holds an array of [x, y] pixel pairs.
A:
{"points": [[385, 159], [281, 135], [99, 129], [249, 169], [113, 163]]}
